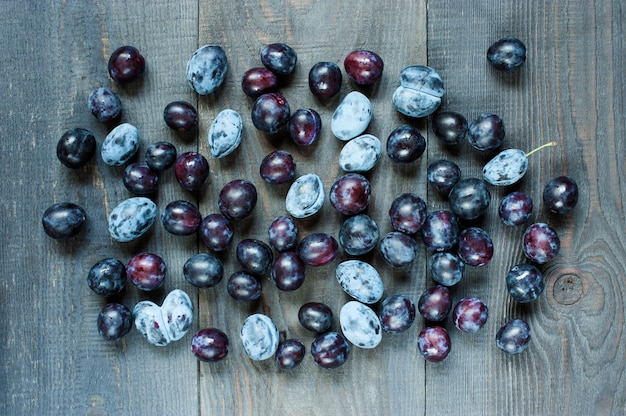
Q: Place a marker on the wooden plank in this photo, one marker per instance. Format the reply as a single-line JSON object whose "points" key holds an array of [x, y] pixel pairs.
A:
{"points": [[389, 378], [54, 361], [569, 90]]}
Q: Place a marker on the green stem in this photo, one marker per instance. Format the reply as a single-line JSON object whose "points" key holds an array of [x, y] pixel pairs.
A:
{"points": [[552, 143]]}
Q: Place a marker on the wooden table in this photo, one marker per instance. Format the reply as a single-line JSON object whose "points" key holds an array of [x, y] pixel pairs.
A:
{"points": [[571, 89]]}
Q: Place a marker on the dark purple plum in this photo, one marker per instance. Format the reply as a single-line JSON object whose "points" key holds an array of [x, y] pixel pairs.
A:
{"points": [[434, 344], [435, 303], [203, 270], [283, 234], [146, 271], [209, 345], [216, 232], [396, 314], [258, 81], [449, 127], [254, 256], [76, 148], [560, 195], [486, 132], [192, 171], [278, 167], [107, 277], [446, 268], [407, 213], [359, 235], [470, 314], [270, 113], [405, 144], [507, 54], [325, 80], [443, 175], [364, 67], [475, 247], [180, 116], [513, 337], [104, 104], [243, 287], [541, 243], [318, 249], [279, 58], [469, 198], [289, 354], [237, 199], [350, 194], [126, 64], [114, 321], [515, 208], [398, 249], [287, 271], [305, 126], [161, 156], [140, 179], [315, 316], [63, 220], [524, 283], [440, 231], [330, 350], [181, 218]]}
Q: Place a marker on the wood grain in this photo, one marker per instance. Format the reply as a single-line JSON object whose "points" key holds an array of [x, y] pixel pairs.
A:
{"points": [[571, 89]]}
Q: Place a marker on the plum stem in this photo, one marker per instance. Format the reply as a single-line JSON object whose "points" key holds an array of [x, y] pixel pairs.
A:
{"points": [[552, 143]]}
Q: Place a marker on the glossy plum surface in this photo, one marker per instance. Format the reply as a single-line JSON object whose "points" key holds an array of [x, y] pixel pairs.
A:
{"points": [[104, 104], [289, 354], [315, 316], [475, 247], [192, 171], [279, 58], [469, 198], [405, 144], [270, 113], [350, 194], [443, 175], [515, 208], [318, 249], [146, 271], [114, 321], [450, 127], [180, 116], [434, 343], [243, 287], [359, 235], [209, 345], [287, 271], [507, 54], [407, 213], [203, 270], [446, 268], [258, 81], [254, 256], [525, 283], [396, 313], [278, 167], [305, 126], [560, 195], [161, 156], [486, 132], [63, 220], [398, 249], [513, 337], [325, 80], [283, 233], [440, 231], [140, 179], [76, 147], [364, 67], [470, 314], [181, 218], [126, 64], [330, 350], [237, 199], [107, 277], [216, 232], [435, 303], [541, 243]]}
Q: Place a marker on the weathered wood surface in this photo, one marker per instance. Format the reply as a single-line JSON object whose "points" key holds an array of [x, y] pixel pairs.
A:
{"points": [[571, 90]]}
